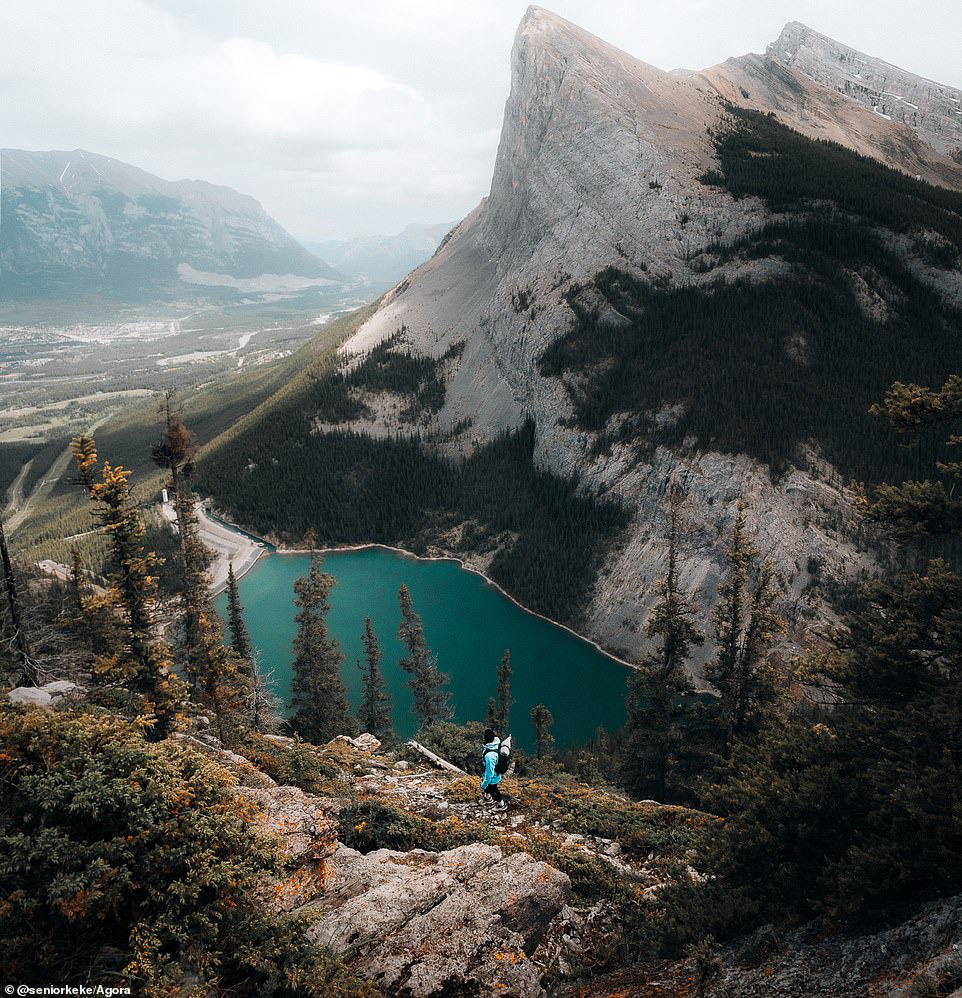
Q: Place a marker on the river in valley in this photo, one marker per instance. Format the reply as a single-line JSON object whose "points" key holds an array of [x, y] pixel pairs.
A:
{"points": [[468, 624]]}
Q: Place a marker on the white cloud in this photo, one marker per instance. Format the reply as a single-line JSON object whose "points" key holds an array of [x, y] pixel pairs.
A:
{"points": [[347, 117]]}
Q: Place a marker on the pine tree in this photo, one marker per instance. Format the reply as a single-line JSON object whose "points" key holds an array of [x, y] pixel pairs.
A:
{"points": [[432, 703], [18, 642], [655, 710], [217, 673], [504, 700], [143, 660], [78, 581], [240, 637], [746, 623], [92, 622], [491, 716], [374, 713], [319, 704], [542, 720], [918, 508], [857, 809]]}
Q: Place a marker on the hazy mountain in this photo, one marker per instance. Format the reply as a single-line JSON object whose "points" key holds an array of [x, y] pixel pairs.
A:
{"points": [[78, 224], [664, 283], [383, 260]]}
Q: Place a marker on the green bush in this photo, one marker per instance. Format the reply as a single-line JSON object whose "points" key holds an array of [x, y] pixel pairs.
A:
{"points": [[372, 825], [138, 860], [298, 764]]}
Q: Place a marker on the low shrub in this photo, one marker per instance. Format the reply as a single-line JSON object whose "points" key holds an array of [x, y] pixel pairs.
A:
{"points": [[373, 825], [297, 764], [137, 861]]}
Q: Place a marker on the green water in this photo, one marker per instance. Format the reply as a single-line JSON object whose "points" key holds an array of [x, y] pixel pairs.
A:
{"points": [[467, 623]]}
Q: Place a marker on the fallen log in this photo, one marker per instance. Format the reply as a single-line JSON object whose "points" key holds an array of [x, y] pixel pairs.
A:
{"points": [[435, 759]]}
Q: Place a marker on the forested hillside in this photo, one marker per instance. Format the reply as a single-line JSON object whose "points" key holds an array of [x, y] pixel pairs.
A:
{"points": [[796, 351], [547, 540]]}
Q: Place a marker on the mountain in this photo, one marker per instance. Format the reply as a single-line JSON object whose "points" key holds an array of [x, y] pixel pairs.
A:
{"points": [[383, 260], [669, 280], [821, 88], [933, 111], [75, 224]]}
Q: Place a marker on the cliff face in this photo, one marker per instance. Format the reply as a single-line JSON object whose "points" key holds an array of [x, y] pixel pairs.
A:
{"points": [[931, 110], [805, 97], [600, 164]]}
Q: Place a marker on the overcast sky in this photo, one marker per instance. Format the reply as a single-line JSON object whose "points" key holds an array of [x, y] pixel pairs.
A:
{"points": [[354, 117]]}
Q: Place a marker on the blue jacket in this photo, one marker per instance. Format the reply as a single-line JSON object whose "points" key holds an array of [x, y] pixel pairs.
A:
{"points": [[490, 761]]}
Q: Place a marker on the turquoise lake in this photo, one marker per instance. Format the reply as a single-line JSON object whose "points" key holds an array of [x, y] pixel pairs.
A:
{"points": [[467, 623]]}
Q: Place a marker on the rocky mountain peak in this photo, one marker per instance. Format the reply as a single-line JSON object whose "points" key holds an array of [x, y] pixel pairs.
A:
{"points": [[602, 163], [933, 111], [583, 109]]}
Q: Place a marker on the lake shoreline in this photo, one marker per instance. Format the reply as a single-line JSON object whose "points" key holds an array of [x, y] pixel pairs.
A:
{"points": [[269, 548], [468, 568]]}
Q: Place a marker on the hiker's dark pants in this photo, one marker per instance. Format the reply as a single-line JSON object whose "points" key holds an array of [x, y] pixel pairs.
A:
{"points": [[493, 790]]}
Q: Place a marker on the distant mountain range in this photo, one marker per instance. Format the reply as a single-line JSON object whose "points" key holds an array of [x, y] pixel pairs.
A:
{"points": [[383, 260], [79, 225]]}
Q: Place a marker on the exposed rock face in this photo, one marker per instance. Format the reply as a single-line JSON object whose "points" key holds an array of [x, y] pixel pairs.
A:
{"points": [[365, 742], [599, 164], [932, 110], [75, 222], [920, 956], [298, 819], [813, 106], [421, 922]]}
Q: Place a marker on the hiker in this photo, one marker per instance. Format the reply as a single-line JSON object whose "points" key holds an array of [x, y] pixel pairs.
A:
{"points": [[491, 778]]}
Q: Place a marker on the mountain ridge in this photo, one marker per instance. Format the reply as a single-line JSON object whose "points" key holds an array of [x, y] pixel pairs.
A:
{"points": [[383, 260], [853, 72]]}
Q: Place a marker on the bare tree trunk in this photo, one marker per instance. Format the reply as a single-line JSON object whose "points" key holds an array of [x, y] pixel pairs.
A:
{"points": [[436, 759]]}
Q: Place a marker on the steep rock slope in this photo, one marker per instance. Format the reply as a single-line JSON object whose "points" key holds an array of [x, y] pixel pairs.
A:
{"points": [[932, 110], [600, 164], [822, 89], [661, 285], [78, 223]]}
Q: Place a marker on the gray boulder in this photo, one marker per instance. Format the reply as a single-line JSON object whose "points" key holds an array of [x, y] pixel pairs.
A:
{"points": [[47, 695], [30, 696], [63, 689], [364, 743]]}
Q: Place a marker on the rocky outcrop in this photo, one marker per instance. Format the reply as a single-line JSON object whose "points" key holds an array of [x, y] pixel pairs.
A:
{"points": [[48, 695], [365, 742], [920, 956], [426, 923], [483, 918], [933, 111]]}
